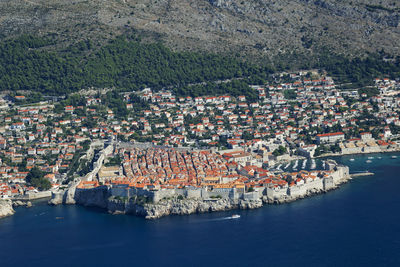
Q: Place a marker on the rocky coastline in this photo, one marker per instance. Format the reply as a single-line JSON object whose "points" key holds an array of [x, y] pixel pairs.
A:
{"points": [[178, 207], [20, 203], [6, 208], [101, 197]]}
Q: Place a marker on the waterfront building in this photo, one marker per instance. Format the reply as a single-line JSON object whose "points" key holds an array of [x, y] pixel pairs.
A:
{"points": [[330, 137]]}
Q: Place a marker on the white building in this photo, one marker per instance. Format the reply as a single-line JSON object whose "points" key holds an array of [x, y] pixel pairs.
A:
{"points": [[330, 137]]}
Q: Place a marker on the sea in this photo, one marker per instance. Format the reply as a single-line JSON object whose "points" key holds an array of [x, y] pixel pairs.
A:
{"points": [[355, 225]]}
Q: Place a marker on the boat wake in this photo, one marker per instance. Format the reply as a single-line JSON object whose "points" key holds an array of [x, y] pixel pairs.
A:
{"points": [[97, 246], [233, 217]]}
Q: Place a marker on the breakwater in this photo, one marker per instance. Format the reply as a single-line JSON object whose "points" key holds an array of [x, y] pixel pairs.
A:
{"points": [[33, 196], [360, 151]]}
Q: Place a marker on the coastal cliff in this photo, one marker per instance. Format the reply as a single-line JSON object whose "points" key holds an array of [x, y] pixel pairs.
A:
{"points": [[95, 197], [56, 198], [101, 197], [66, 196], [178, 207], [288, 198], [156, 204], [6, 208]]}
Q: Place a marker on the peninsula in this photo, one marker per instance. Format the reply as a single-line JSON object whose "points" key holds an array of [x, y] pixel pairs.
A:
{"points": [[156, 152], [155, 182]]}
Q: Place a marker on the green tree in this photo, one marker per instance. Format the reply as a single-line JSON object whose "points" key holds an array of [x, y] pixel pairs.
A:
{"points": [[36, 178], [279, 151]]}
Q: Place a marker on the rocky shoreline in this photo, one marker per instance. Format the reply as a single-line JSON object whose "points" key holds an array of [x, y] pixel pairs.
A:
{"points": [[100, 197], [6, 208], [179, 207]]}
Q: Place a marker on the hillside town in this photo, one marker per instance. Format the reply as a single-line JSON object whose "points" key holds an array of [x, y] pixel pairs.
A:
{"points": [[209, 146]]}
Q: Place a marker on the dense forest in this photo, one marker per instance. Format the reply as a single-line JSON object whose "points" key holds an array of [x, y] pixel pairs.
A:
{"points": [[127, 63], [25, 65], [359, 72]]}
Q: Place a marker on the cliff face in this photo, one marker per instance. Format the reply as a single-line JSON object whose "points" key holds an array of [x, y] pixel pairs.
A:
{"points": [[6, 208], [56, 198], [100, 197], [96, 197], [179, 207], [66, 196], [92, 197]]}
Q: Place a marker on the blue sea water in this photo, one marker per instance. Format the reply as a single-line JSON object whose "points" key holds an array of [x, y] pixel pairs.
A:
{"points": [[356, 225]]}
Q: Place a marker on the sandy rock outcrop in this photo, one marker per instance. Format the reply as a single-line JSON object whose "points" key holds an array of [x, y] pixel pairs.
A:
{"points": [[6, 208], [69, 196], [57, 197], [19, 203]]}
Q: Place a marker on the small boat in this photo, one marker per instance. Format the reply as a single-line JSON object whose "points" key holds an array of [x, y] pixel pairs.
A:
{"points": [[235, 216], [59, 218], [304, 164], [394, 157], [379, 157], [295, 165], [313, 164], [368, 161], [370, 157], [351, 159]]}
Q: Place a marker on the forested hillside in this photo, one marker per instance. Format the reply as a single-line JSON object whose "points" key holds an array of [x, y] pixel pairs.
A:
{"points": [[124, 63], [80, 44], [127, 63]]}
